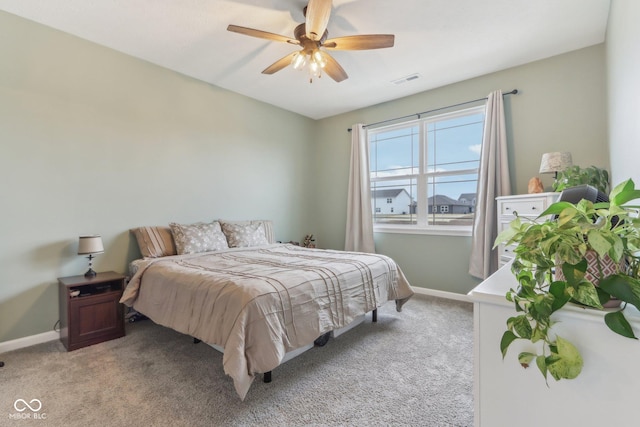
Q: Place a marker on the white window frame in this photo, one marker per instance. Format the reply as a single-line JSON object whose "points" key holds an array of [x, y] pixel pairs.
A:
{"points": [[422, 226]]}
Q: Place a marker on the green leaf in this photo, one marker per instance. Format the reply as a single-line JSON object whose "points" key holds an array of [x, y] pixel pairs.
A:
{"points": [[587, 294], [567, 215], [507, 338], [574, 273], [541, 307], [560, 295], [604, 297], [556, 208], [521, 326], [506, 235], [598, 242], [622, 287], [525, 359], [567, 363], [539, 333], [623, 193], [619, 324], [541, 362]]}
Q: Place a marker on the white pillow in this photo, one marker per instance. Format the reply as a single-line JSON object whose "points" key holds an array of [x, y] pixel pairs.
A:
{"points": [[241, 235], [198, 237]]}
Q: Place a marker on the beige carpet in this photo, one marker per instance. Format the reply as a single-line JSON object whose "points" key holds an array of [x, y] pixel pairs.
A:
{"points": [[411, 368]]}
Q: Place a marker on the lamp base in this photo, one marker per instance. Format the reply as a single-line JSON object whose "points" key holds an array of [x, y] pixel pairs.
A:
{"points": [[90, 273]]}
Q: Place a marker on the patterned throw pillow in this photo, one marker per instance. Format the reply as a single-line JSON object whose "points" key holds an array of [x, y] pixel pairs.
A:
{"points": [[198, 237], [244, 235]]}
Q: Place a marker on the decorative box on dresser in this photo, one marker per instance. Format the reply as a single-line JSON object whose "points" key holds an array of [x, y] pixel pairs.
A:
{"points": [[526, 205], [90, 309]]}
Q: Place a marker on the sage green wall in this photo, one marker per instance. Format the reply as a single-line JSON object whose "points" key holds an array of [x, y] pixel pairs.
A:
{"points": [[623, 81], [94, 141], [561, 107]]}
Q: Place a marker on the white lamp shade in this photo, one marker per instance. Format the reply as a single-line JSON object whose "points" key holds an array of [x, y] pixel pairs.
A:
{"points": [[90, 245], [555, 162]]}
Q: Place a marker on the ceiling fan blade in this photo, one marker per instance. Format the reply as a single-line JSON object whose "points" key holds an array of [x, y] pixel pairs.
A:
{"points": [[333, 69], [279, 64], [362, 42], [317, 18], [261, 34]]}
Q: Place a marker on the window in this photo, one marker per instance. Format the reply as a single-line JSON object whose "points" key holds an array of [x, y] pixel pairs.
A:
{"points": [[428, 168]]}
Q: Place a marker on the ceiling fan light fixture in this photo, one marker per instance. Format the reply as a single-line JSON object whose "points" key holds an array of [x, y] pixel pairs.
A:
{"points": [[314, 59], [319, 58], [299, 60]]}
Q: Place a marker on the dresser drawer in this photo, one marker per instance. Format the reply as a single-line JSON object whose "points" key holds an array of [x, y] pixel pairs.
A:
{"points": [[507, 251], [526, 205], [532, 207]]}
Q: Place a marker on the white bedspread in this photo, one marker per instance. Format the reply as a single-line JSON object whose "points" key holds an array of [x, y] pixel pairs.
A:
{"points": [[259, 303]]}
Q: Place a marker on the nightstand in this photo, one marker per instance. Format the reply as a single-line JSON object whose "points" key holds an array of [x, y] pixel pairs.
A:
{"points": [[90, 309]]}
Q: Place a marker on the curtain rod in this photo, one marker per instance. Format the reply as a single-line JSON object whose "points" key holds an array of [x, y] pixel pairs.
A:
{"points": [[513, 92]]}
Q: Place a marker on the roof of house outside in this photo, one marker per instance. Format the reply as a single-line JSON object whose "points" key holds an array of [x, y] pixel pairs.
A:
{"points": [[467, 196], [445, 200], [388, 192]]}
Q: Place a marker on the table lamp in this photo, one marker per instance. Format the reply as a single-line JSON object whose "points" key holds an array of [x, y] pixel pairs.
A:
{"points": [[555, 162], [90, 245]]}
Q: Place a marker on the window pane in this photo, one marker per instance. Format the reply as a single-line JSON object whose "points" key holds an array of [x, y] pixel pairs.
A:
{"points": [[454, 144], [451, 199], [394, 152], [400, 194]]}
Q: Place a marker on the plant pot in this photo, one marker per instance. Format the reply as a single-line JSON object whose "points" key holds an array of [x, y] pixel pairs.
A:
{"points": [[592, 274]]}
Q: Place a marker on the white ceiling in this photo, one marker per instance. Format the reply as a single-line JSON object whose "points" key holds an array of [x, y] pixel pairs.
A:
{"points": [[445, 41]]}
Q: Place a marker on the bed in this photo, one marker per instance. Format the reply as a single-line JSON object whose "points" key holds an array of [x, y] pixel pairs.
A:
{"points": [[261, 302]]}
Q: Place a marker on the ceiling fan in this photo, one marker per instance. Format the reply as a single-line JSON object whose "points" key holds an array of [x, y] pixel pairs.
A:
{"points": [[312, 38]]}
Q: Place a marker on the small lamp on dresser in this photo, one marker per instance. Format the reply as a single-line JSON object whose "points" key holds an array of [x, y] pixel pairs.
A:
{"points": [[555, 162], [90, 245]]}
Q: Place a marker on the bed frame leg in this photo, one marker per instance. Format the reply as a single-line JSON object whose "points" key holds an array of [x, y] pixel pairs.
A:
{"points": [[267, 377], [374, 315]]}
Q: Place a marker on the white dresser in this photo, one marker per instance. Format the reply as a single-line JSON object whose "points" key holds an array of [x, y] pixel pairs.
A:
{"points": [[526, 205], [505, 394]]}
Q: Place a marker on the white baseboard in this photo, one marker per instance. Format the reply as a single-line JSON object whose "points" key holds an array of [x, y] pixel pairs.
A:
{"points": [[28, 341], [441, 294]]}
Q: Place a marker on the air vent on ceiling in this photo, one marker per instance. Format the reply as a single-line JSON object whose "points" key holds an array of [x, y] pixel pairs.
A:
{"points": [[406, 79]]}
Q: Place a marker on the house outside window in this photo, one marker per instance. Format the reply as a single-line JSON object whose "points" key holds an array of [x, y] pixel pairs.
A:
{"points": [[428, 168]]}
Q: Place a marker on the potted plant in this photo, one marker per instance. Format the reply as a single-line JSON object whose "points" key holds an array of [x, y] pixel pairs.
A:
{"points": [[575, 175], [561, 260]]}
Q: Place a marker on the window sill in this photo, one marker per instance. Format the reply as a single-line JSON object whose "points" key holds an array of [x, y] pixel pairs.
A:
{"points": [[437, 231]]}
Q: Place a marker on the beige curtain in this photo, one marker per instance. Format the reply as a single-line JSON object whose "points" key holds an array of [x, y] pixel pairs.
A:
{"points": [[493, 181], [359, 233]]}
